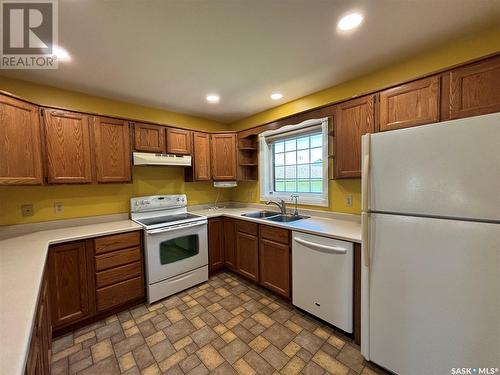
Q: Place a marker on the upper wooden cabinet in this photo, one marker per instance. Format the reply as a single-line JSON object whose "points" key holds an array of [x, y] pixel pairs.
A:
{"points": [[112, 149], [475, 89], [68, 283], [201, 157], [411, 104], [224, 165], [67, 146], [20, 140], [352, 119], [178, 141], [149, 138]]}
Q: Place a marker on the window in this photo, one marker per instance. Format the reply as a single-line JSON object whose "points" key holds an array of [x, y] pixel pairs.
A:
{"points": [[294, 160]]}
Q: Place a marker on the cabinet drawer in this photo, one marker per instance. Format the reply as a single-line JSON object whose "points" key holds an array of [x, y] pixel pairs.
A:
{"points": [[118, 274], [275, 234], [118, 294], [116, 242], [117, 258], [247, 227]]}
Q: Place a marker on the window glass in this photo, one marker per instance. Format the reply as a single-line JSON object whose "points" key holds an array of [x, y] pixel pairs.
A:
{"points": [[179, 248]]}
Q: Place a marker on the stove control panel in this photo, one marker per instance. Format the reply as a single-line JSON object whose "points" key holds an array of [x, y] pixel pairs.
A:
{"points": [[157, 202]]}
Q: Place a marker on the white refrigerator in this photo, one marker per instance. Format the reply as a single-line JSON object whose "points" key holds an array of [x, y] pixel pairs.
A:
{"points": [[431, 247]]}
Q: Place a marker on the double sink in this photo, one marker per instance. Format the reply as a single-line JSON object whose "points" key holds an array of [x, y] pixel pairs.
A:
{"points": [[274, 216]]}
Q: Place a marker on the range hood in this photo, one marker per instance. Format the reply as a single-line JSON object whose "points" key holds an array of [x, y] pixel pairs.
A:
{"points": [[144, 158]]}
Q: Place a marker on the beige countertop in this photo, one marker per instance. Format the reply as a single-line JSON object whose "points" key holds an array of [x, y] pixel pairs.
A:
{"points": [[342, 227], [22, 262]]}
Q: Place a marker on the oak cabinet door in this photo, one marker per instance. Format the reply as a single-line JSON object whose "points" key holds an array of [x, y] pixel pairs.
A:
{"points": [[411, 104], [68, 286], [201, 155], [112, 150], [178, 141], [149, 138], [229, 243], [223, 157], [20, 140], [215, 244], [275, 266], [352, 119], [67, 145], [247, 255], [475, 89]]}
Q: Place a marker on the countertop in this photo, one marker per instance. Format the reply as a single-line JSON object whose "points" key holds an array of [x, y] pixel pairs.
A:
{"points": [[332, 226], [22, 262]]}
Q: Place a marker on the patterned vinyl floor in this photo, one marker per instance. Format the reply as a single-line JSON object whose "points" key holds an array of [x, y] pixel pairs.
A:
{"points": [[224, 326]]}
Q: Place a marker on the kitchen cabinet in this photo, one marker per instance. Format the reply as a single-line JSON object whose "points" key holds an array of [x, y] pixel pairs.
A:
{"points": [[119, 271], [224, 165], [230, 243], [149, 138], [68, 283], [20, 137], [112, 150], [352, 119], [274, 259], [201, 157], [67, 147], [38, 357], [215, 244], [410, 104], [247, 250], [474, 89], [178, 141]]}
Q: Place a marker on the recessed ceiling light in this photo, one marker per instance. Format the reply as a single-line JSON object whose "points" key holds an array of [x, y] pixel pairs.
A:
{"points": [[61, 53], [350, 21], [213, 98], [276, 96]]}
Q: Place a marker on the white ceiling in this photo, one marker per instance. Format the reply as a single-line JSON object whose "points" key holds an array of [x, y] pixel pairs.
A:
{"points": [[171, 53]]}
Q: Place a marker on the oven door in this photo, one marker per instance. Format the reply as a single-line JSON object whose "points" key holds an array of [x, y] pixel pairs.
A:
{"points": [[174, 250]]}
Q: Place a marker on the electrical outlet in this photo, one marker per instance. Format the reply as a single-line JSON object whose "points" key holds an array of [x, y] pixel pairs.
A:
{"points": [[58, 207], [348, 200], [27, 209]]}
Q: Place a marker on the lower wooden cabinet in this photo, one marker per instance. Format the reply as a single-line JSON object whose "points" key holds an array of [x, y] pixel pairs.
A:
{"points": [[274, 259], [229, 243], [69, 286], [216, 244], [38, 359], [90, 277]]}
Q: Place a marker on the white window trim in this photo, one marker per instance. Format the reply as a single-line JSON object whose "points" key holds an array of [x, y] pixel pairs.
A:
{"points": [[265, 172]]}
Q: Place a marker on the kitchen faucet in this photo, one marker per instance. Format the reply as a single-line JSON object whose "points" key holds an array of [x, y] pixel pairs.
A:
{"points": [[281, 205]]}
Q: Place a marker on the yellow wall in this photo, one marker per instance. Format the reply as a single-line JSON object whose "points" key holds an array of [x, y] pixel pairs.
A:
{"points": [[84, 200], [77, 101], [456, 52]]}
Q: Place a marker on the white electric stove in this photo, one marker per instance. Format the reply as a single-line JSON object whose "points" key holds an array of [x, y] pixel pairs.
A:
{"points": [[175, 244]]}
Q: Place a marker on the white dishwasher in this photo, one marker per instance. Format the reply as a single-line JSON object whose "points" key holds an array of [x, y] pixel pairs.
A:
{"points": [[322, 278]]}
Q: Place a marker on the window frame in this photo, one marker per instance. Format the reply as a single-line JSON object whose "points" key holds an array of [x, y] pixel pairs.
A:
{"points": [[266, 162]]}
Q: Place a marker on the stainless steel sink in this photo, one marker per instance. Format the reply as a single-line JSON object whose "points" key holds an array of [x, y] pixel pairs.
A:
{"points": [[261, 214], [286, 218]]}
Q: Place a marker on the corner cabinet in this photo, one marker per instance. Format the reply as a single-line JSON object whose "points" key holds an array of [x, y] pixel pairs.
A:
{"points": [[20, 137], [223, 150], [352, 119], [112, 150], [412, 104], [67, 147]]}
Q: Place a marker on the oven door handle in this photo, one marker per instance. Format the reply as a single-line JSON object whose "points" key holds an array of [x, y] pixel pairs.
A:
{"points": [[175, 227]]}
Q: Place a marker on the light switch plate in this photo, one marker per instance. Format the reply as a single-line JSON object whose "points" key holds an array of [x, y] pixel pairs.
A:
{"points": [[348, 200], [58, 207], [27, 209]]}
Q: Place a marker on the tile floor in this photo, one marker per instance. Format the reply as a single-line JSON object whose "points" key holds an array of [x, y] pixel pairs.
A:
{"points": [[224, 326]]}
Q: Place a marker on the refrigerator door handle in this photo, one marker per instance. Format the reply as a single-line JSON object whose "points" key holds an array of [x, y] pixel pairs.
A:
{"points": [[365, 174], [365, 237]]}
